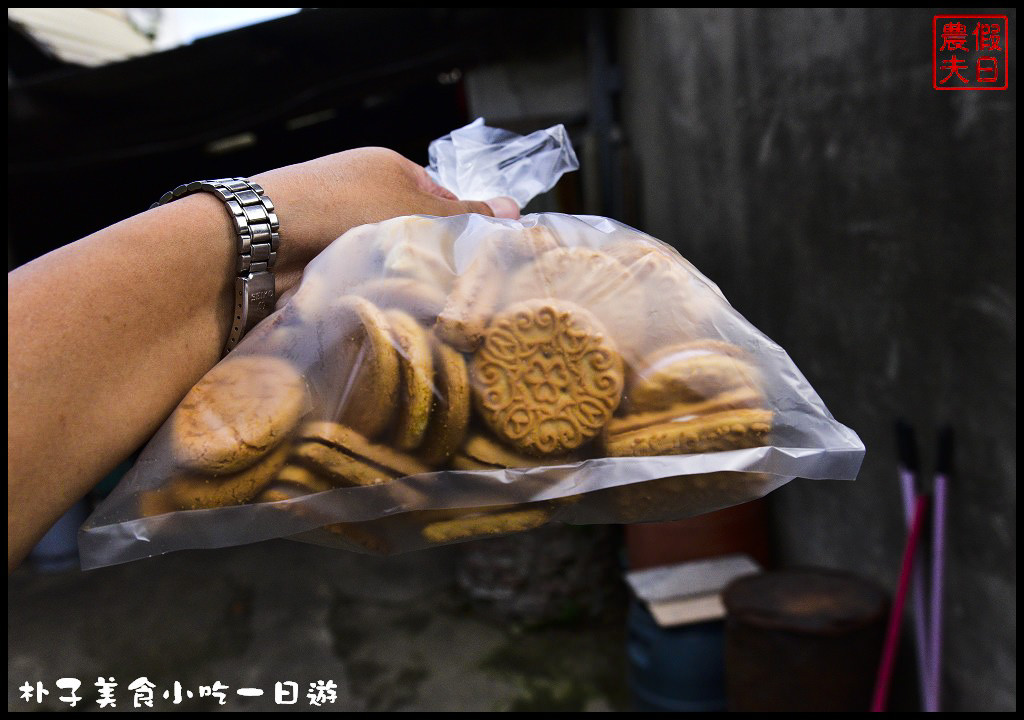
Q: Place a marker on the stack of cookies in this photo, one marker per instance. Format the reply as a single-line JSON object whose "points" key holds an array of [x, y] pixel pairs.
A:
{"points": [[520, 352]]}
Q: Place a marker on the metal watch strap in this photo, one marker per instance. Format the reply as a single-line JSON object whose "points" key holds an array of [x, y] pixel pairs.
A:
{"points": [[257, 229]]}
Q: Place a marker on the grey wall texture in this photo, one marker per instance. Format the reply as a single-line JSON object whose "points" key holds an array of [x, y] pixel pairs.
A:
{"points": [[866, 222]]}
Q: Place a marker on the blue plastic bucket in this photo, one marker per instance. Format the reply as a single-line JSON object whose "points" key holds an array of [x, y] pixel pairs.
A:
{"points": [[680, 669], [58, 549]]}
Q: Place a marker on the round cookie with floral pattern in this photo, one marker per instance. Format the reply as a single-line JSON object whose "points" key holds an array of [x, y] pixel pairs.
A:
{"points": [[547, 376]]}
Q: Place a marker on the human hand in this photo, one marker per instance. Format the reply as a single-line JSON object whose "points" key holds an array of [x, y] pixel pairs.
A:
{"points": [[319, 200]]}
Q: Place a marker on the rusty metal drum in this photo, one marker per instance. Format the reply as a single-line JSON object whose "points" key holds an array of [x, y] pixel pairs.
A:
{"points": [[802, 640]]}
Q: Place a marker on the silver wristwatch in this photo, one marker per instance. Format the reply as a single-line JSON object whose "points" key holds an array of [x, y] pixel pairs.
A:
{"points": [[257, 229]]}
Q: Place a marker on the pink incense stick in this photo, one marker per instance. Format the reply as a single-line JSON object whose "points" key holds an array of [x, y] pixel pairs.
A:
{"points": [[892, 638], [938, 565], [917, 594]]}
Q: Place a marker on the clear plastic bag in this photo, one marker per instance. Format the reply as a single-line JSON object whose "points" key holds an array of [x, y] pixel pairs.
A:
{"points": [[435, 380], [478, 162]]}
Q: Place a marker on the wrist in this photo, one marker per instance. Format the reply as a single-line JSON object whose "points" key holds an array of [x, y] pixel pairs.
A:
{"points": [[255, 228], [207, 256], [292, 207], [316, 202]]}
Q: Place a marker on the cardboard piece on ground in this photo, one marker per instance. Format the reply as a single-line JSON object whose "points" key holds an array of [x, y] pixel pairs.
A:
{"points": [[688, 610], [689, 592], [697, 577]]}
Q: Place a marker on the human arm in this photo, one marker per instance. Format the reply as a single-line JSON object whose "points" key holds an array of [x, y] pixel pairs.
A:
{"points": [[107, 334]]}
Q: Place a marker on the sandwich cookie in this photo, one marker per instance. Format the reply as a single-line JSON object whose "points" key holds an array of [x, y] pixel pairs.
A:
{"points": [[416, 366], [362, 386], [484, 453], [449, 416], [688, 372], [348, 459], [196, 491], [725, 430], [685, 495], [293, 482], [678, 412]]}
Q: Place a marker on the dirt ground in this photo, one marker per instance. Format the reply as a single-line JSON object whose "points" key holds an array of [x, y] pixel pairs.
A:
{"points": [[390, 633]]}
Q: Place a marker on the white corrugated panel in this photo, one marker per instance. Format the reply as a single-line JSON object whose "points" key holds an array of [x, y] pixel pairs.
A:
{"points": [[88, 36]]}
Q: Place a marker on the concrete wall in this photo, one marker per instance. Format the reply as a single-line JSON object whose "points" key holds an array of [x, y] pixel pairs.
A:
{"points": [[866, 222]]}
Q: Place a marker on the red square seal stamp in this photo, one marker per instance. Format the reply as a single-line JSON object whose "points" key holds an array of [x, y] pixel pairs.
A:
{"points": [[970, 52]]}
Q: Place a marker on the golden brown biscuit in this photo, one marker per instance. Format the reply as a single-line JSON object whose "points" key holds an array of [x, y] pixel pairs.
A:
{"points": [[415, 297], [341, 469], [630, 246], [529, 243], [381, 457], [419, 248], [277, 493], [678, 305], [280, 334], [682, 496], [464, 462], [547, 377], [726, 430], [291, 482], [591, 279], [688, 372], [294, 481], [730, 400], [237, 413], [349, 260], [361, 535], [301, 478], [628, 250], [484, 453], [196, 491], [449, 415], [156, 502], [416, 364], [364, 376], [420, 261], [473, 299], [484, 522]]}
